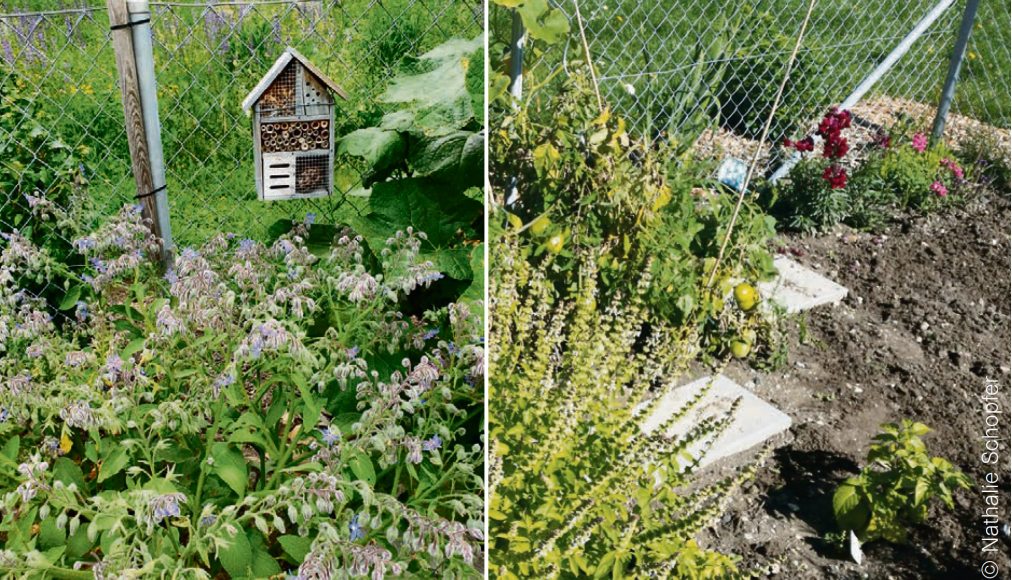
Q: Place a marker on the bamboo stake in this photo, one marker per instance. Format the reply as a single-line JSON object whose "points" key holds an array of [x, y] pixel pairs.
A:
{"points": [[759, 146]]}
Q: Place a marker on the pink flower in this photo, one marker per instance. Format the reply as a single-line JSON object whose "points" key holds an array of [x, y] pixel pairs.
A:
{"points": [[954, 167], [920, 142], [939, 188]]}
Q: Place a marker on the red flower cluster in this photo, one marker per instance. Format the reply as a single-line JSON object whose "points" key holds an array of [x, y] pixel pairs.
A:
{"points": [[836, 175], [804, 145], [834, 148], [830, 130]]}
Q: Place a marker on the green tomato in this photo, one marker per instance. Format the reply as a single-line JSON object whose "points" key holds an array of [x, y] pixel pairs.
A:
{"points": [[555, 243], [746, 296], [540, 225], [740, 348]]}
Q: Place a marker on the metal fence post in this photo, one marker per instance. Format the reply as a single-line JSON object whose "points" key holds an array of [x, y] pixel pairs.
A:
{"points": [[876, 75], [517, 57], [958, 54], [516, 88], [135, 64]]}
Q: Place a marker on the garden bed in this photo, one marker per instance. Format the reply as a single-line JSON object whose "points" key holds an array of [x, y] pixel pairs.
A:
{"points": [[926, 321], [871, 117]]}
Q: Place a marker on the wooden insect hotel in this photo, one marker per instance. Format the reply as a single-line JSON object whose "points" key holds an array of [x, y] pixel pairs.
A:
{"points": [[293, 129]]}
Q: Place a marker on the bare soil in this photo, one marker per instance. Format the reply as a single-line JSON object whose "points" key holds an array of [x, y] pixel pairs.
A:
{"points": [[926, 322]]}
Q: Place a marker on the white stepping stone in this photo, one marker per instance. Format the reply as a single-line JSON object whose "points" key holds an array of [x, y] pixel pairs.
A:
{"points": [[754, 422], [798, 288]]}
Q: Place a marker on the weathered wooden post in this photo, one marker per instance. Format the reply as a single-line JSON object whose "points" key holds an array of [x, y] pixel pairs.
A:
{"points": [[131, 40]]}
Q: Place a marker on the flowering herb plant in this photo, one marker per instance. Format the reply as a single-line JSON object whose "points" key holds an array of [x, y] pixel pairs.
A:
{"points": [[577, 487], [916, 173], [588, 187], [900, 170], [257, 410], [598, 302]]}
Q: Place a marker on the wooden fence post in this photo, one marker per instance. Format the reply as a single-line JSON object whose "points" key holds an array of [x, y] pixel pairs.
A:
{"points": [[138, 138]]}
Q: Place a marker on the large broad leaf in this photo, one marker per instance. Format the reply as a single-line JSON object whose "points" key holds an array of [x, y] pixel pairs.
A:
{"points": [[10, 449], [51, 536], [852, 512], [362, 467], [419, 203], [230, 466], [438, 95], [454, 263], [70, 298], [455, 158], [382, 149], [264, 565], [543, 22], [476, 291], [113, 463], [296, 547], [237, 557], [68, 472]]}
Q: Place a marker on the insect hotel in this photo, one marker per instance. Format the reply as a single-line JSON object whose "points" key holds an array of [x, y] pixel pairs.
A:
{"points": [[293, 129]]}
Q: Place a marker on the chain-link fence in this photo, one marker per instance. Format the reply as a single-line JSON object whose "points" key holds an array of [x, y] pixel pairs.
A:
{"points": [[676, 65], [61, 118]]}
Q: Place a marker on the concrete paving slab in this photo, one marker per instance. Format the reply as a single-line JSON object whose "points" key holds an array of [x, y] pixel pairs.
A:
{"points": [[755, 421], [798, 288]]}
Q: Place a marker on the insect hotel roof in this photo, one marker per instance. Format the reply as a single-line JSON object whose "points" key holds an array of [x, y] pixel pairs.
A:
{"points": [[279, 66]]}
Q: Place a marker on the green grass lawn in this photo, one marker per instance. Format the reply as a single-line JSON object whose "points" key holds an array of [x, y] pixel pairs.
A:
{"points": [[648, 48]]}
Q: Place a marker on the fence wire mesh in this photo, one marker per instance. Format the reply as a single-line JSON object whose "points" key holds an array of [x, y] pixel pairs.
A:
{"points": [[671, 66], [62, 135], [61, 113]]}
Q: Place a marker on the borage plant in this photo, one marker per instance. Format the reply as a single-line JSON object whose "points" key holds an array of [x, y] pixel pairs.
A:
{"points": [[257, 410]]}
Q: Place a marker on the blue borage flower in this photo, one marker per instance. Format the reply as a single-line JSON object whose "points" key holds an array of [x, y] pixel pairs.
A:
{"points": [[433, 443], [81, 311], [84, 244], [330, 435], [355, 530], [166, 506], [221, 382]]}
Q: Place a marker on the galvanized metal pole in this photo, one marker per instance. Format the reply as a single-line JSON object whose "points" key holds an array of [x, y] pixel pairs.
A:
{"points": [[517, 57], [516, 87], [890, 60], [135, 114], [955, 64], [140, 18]]}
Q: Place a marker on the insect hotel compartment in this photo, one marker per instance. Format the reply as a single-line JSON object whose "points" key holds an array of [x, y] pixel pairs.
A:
{"points": [[279, 98], [295, 136], [312, 173]]}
